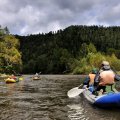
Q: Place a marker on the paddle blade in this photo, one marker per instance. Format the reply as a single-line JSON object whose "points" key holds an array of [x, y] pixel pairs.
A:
{"points": [[74, 92]]}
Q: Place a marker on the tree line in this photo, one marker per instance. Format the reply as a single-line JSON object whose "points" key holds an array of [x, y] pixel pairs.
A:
{"points": [[76, 49]]}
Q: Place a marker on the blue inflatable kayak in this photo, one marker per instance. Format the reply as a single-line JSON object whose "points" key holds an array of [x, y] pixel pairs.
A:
{"points": [[107, 100]]}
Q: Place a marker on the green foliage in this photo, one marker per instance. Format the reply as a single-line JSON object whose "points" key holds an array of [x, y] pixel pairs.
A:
{"points": [[10, 57], [91, 48], [83, 70], [83, 50], [111, 51], [73, 63], [75, 49], [94, 60], [114, 62], [59, 61]]}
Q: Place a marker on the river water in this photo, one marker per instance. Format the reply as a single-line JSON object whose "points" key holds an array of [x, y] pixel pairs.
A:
{"points": [[46, 99]]}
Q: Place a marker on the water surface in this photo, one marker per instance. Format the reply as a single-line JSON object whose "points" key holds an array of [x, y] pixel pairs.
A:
{"points": [[46, 99]]}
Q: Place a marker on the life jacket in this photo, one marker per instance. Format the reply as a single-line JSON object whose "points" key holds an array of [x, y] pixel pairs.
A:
{"points": [[106, 78], [92, 76]]}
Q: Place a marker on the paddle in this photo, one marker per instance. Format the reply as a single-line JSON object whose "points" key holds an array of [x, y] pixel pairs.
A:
{"points": [[74, 92]]}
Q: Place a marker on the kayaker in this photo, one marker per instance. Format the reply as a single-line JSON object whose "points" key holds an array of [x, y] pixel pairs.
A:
{"points": [[105, 76], [12, 77], [89, 80], [36, 74]]}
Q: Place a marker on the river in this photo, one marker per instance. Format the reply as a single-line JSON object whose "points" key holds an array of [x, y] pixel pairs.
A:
{"points": [[46, 99]]}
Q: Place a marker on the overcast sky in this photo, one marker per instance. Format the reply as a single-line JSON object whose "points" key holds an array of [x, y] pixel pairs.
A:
{"points": [[36, 16]]}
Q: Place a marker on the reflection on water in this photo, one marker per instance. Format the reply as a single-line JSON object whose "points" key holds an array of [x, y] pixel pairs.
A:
{"points": [[46, 99], [76, 112]]}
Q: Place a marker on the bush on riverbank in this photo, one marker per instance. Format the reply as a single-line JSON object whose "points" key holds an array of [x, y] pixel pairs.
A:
{"points": [[94, 60]]}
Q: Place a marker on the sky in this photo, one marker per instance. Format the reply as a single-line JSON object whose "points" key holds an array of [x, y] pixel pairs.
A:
{"points": [[25, 17]]}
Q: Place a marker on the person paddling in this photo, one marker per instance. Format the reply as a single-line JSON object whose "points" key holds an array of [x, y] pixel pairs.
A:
{"points": [[89, 80], [105, 76]]}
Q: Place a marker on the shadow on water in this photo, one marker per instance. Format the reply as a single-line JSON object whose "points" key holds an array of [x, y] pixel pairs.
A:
{"points": [[46, 99]]}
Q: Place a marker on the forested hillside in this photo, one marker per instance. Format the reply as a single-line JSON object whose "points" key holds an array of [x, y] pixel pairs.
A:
{"points": [[75, 49]]}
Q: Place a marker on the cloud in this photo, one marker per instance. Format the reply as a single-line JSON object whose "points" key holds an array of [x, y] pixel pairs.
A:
{"points": [[29, 17], [111, 14]]}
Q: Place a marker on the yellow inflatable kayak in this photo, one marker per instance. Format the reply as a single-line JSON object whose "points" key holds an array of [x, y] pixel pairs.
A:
{"points": [[36, 78], [10, 80], [20, 78]]}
